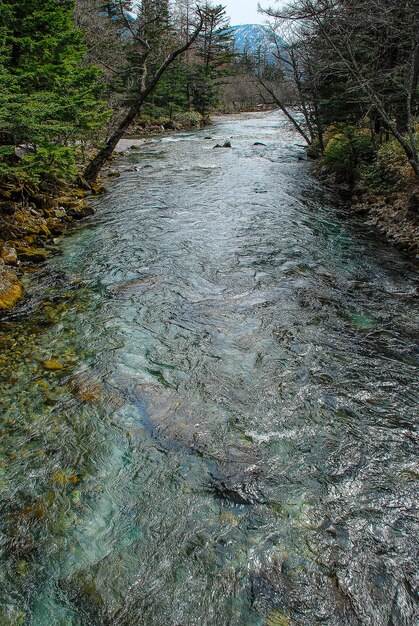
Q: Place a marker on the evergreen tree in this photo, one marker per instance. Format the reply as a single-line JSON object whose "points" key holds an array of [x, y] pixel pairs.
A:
{"points": [[215, 53], [50, 100]]}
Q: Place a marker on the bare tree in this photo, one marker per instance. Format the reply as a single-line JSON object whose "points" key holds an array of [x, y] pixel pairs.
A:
{"points": [[374, 46]]}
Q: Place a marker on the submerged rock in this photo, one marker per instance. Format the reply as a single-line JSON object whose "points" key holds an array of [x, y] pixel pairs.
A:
{"points": [[237, 484], [53, 364], [276, 618]]}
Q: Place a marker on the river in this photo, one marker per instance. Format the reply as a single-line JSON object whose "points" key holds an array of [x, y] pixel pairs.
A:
{"points": [[208, 402]]}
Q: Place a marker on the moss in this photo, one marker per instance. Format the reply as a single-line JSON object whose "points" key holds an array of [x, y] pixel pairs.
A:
{"points": [[8, 254], [11, 290], [32, 255], [276, 618], [53, 364]]}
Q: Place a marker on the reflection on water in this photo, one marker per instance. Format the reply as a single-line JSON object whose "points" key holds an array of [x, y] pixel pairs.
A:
{"points": [[208, 415]]}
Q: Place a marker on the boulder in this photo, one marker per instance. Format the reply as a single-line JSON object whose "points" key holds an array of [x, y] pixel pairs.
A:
{"points": [[56, 226], [32, 255], [11, 290], [226, 144], [81, 210], [60, 212], [43, 201], [9, 255]]}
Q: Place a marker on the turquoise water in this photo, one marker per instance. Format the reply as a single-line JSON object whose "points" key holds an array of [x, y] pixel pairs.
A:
{"points": [[230, 436]]}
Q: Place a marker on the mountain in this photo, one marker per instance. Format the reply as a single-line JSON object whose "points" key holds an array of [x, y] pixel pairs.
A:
{"points": [[256, 39]]}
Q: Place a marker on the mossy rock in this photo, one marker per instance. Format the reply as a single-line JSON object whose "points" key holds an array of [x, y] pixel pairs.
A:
{"points": [[53, 364], [81, 210], [43, 201], [56, 226], [32, 255], [9, 255], [98, 190], [44, 231], [276, 618], [11, 290]]}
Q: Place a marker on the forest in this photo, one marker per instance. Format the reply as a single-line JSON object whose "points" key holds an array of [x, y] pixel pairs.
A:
{"points": [[74, 77]]}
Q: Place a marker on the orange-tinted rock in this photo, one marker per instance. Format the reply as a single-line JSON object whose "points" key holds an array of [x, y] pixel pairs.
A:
{"points": [[9, 255], [32, 255], [53, 364], [11, 290]]}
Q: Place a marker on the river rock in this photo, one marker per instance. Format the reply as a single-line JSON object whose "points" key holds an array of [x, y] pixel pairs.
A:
{"points": [[81, 210], [56, 226], [59, 212], [98, 190], [9, 255], [237, 484], [42, 201], [32, 255], [226, 144], [11, 290]]}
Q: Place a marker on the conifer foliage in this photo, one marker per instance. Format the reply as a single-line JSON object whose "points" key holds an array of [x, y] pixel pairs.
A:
{"points": [[50, 100]]}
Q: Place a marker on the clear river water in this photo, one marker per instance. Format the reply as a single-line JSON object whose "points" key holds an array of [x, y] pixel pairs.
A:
{"points": [[208, 403]]}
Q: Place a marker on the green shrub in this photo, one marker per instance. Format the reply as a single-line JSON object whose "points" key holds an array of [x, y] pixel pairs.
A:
{"points": [[347, 151], [189, 119], [392, 162]]}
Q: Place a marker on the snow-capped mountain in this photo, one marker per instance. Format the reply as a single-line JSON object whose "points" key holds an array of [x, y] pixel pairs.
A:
{"points": [[255, 39]]}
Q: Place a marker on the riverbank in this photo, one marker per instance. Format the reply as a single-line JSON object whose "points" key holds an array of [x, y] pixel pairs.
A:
{"points": [[31, 228], [394, 213], [373, 175], [32, 222]]}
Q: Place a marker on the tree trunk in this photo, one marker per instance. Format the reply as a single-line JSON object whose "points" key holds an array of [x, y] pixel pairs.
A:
{"points": [[92, 170], [284, 109]]}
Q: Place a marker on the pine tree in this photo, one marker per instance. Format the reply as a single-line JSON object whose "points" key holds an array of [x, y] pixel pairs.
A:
{"points": [[215, 53], [50, 100]]}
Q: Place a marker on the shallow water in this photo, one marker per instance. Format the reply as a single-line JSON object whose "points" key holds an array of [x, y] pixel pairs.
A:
{"points": [[231, 438]]}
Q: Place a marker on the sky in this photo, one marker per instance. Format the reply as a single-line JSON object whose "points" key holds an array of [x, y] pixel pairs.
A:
{"points": [[245, 11]]}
